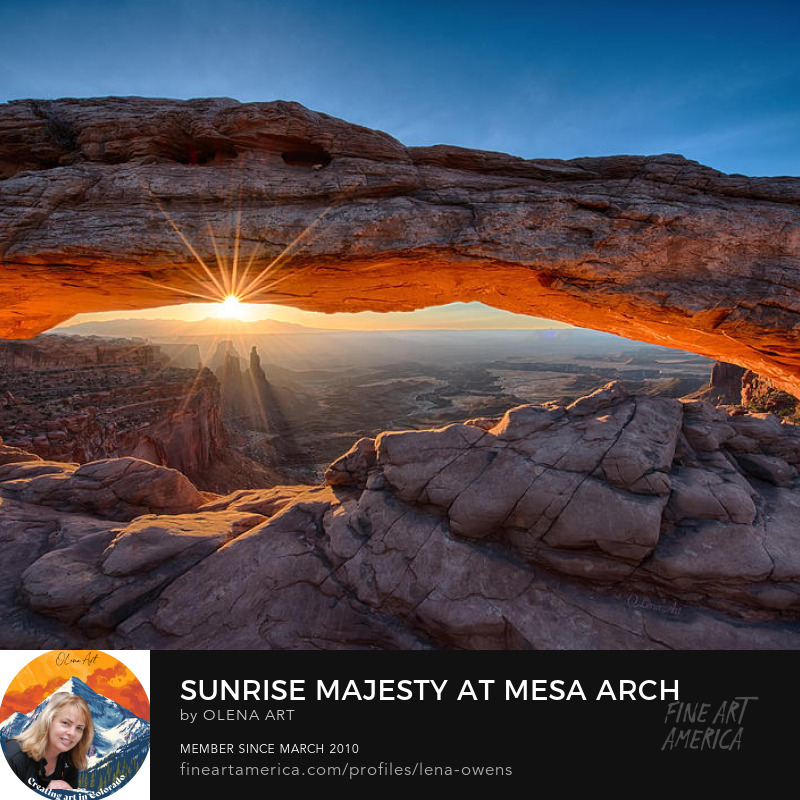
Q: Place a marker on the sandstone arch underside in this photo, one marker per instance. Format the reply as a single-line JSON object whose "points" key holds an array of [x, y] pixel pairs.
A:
{"points": [[657, 248]]}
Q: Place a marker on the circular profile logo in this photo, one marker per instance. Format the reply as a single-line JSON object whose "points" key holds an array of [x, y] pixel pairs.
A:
{"points": [[74, 724]]}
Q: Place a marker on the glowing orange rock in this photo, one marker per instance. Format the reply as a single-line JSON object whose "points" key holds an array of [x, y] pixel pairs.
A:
{"points": [[124, 203]]}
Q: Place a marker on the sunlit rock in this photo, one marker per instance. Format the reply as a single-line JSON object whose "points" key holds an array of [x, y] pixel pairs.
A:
{"points": [[102, 202]]}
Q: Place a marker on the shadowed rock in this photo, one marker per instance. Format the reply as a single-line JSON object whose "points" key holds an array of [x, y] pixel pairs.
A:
{"points": [[617, 522], [104, 576], [112, 488]]}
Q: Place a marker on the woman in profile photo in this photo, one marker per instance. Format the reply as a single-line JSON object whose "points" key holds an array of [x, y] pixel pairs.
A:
{"points": [[53, 750]]}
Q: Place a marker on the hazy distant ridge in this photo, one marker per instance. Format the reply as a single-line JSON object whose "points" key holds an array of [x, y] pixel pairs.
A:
{"points": [[157, 328], [299, 347]]}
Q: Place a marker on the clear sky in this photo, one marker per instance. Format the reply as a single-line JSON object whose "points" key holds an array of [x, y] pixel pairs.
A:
{"points": [[718, 82]]}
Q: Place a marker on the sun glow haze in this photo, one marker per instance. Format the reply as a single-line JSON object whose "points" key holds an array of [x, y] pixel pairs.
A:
{"points": [[231, 308], [453, 316]]}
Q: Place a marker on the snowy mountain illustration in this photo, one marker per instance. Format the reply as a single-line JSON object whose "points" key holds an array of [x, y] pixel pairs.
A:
{"points": [[13, 726], [114, 725]]}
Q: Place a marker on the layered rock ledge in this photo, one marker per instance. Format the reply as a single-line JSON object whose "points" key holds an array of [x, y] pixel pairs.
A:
{"points": [[113, 203], [615, 522]]}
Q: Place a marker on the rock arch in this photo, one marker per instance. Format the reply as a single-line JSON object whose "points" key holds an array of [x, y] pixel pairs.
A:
{"points": [[654, 248]]}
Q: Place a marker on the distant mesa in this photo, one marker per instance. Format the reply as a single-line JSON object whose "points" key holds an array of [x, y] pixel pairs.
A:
{"points": [[167, 328]]}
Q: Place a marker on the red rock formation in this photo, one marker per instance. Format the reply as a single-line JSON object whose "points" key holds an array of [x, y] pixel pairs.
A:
{"points": [[761, 394], [78, 399], [245, 394], [60, 352], [344, 218], [724, 386]]}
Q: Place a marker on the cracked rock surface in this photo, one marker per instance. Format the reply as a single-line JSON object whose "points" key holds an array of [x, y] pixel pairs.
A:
{"points": [[618, 521]]}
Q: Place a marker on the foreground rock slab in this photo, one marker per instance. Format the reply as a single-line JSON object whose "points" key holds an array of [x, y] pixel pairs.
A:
{"points": [[114, 488], [619, 521]]}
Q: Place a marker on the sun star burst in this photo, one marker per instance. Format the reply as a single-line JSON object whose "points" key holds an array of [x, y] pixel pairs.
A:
{"points": [[231, 308]]}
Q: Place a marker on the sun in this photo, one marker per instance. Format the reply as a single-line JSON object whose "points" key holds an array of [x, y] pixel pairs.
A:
{"points": [[231, 308]]}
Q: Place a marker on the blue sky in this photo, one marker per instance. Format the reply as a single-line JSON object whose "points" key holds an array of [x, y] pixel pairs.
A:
{"points": [[716, 82]]}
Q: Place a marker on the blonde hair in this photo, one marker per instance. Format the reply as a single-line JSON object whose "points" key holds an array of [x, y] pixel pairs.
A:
{"points": [[34, 741]]}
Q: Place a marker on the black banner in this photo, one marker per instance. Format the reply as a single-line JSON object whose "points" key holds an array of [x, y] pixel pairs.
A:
{"points": [[237, 721]]}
